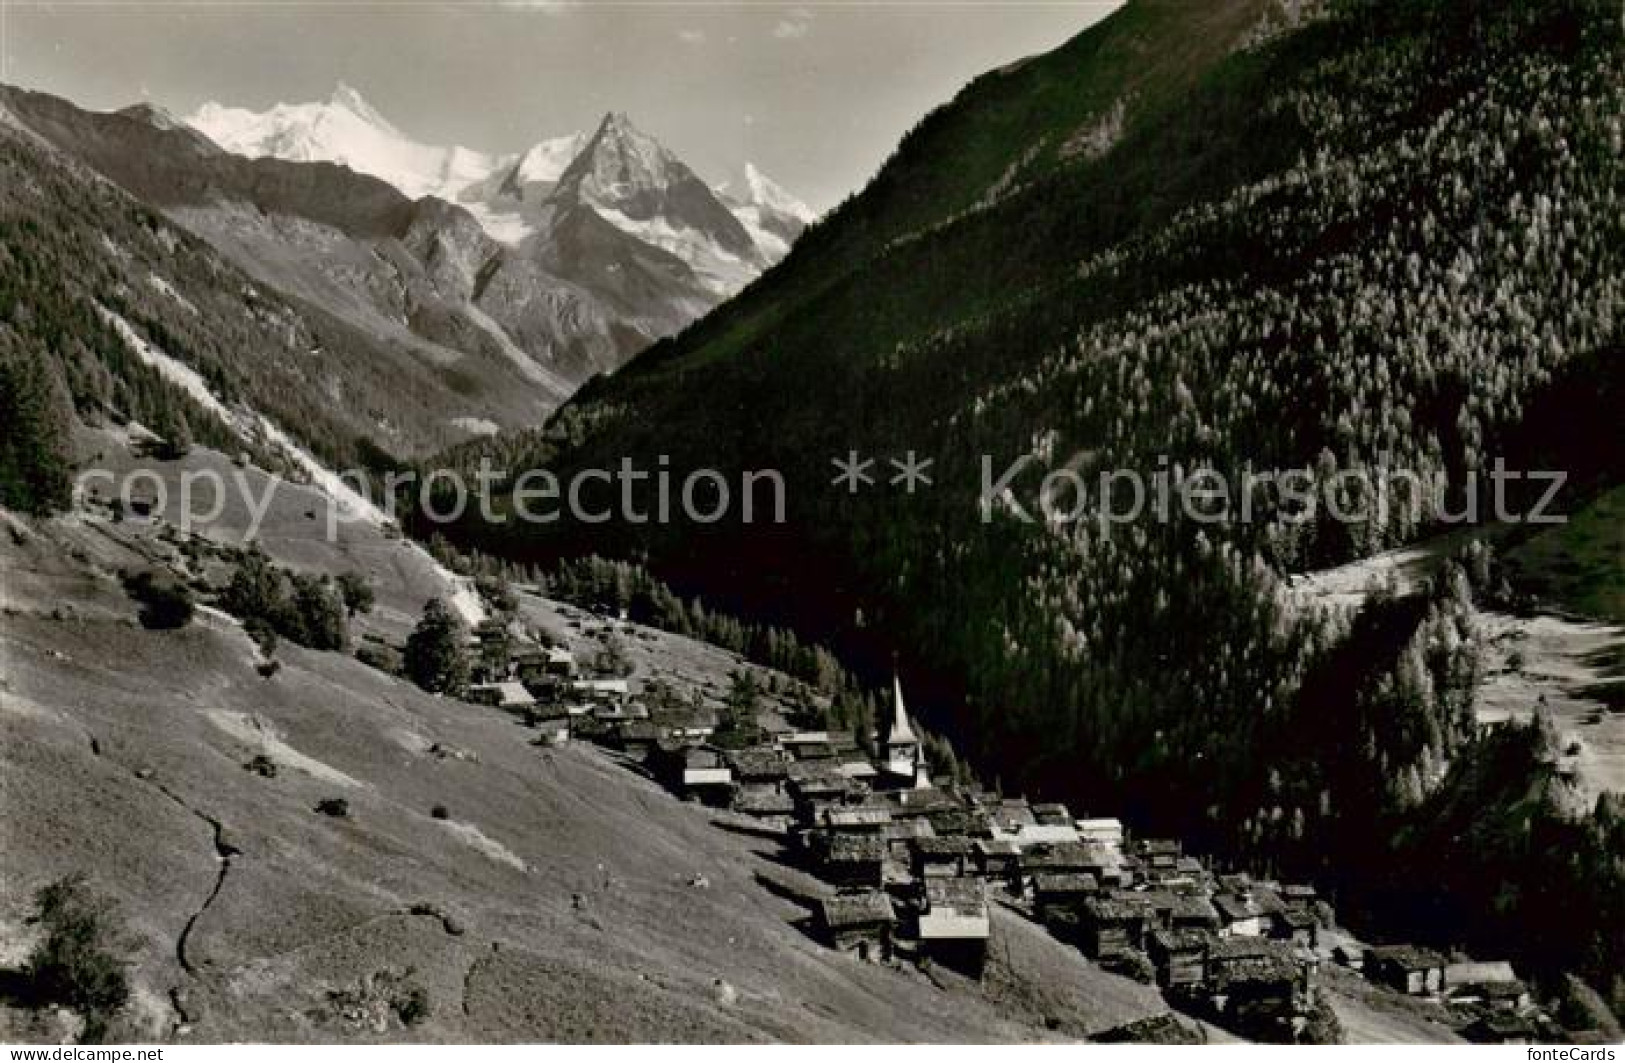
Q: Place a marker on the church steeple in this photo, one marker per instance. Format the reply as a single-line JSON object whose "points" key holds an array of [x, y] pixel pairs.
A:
{"points": [[898, 732]]}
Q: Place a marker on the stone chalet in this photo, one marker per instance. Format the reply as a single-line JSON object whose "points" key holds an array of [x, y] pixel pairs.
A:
{"points": [[953, 924]]}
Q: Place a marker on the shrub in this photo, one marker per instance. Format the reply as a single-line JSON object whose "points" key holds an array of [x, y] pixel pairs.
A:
{"points": [[262, 765], [412, 1005], [81, 962], [440, 812], [356, 593], [307, 609], [165, 604], [1133, 965], [337, 807], [380, 657]]}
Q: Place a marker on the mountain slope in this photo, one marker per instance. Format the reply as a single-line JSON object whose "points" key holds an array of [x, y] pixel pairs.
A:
{"points": [[535, 909], [97, 282], [1197, 237]]}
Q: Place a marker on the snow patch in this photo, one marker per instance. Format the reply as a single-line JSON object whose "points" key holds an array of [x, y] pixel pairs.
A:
{"points": [[172, 369], [504, 226], [163, 287], [719, 270]]}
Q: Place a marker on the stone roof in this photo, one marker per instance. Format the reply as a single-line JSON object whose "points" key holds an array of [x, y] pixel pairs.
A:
{"points": [[1407, 957], [950, 846], [853, 848], [1081, 883], [848, 910], [758, 763], [1182, 940]]}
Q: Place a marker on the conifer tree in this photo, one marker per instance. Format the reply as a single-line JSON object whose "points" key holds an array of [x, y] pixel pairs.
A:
{"points": [[436, 653]]}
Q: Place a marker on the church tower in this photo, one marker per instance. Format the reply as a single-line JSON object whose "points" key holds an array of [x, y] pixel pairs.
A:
{"points": [[900, 747]]}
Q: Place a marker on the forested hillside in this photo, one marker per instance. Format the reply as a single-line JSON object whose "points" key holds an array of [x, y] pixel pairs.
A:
{"points": [[1344, 237]]}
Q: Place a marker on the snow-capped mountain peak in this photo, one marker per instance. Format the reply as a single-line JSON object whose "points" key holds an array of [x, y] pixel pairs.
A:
{"points": [[623, 167], [632, 181], [544, 163], [765, 192], [772, 216], [347, 98], [348, 130], [618, 171]]}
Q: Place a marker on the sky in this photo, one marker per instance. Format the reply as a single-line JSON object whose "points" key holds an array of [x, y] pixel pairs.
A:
{"points": [[815, 94]]}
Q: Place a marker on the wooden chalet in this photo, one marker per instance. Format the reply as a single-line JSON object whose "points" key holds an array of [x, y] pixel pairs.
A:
{"points": [[1107, 833], [859, 923], [697, 772], [934, 857], [637, 738], [1257, 987], [765, 803], [759, 766], [1053, 814], [1192, 911], [850, 859], [508, 694], [1111, 925], [1250, 912], [1180, 956], [1061, 858], [1406, 968], [1061, 891], [854, 819], [999, 861], [1159, 858], [1501, 1029]]}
